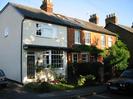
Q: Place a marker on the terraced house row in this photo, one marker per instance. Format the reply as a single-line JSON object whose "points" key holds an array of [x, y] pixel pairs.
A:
{"points": [[32, 37]]}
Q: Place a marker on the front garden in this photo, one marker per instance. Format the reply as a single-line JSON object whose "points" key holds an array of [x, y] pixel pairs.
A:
{"points": [[83, 74]]}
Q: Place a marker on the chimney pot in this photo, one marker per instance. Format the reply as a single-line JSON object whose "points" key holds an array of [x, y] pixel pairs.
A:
{"points": [[111, 18], [47, 6], [94, 18]]}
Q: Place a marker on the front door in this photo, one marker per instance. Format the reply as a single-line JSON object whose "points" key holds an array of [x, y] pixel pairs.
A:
{"points": [[31, 66]]}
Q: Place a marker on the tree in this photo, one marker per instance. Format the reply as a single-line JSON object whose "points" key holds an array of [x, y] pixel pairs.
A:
{"points": [[119, 55]]}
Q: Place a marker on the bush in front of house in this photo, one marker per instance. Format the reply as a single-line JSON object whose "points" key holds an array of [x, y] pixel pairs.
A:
{"points": [[84, 69], [86, 80], [38, 87]]}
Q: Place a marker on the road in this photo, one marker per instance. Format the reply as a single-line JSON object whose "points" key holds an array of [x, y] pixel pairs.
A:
{"points": [[15, 91], [107, 95]]}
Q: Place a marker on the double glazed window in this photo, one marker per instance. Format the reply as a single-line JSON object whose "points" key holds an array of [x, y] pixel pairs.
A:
{"points": [[85, 57], [103, 40], [87, 38], [47, 31], [38, 30], [110, 41], [57, 59], [77, 37], [74, 57], [53, 58]]}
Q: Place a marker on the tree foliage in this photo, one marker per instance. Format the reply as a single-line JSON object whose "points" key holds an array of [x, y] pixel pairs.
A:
{"points": [[93, 50], [119, 55]]}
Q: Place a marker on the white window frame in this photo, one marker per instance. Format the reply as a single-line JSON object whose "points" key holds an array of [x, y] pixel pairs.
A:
{"points": [[103, 40], [87, 38], [86, 58], [73, 60], [110, 41], [58, 62], [46, 31], [77, 36]]}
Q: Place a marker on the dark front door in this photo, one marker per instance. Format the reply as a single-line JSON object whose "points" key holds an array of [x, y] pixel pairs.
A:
{"points": [[31, 67]]}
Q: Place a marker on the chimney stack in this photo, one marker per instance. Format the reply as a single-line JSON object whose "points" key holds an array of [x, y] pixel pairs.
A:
{"points": [[94, 18], [47, 6], [111, 18]]}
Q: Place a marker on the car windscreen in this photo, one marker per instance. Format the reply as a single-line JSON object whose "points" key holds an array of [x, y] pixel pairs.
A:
{"points": [[2, 73], [127, 74]]}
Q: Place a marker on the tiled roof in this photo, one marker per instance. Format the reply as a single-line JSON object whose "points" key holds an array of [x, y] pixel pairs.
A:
{"points": [[38, 14], [41, 15], [126, 28]]}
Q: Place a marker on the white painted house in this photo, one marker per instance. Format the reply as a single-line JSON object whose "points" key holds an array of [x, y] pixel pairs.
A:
{"points": [[28, 37]]}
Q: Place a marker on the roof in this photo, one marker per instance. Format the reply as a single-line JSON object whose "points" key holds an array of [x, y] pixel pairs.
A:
{"points": [[38, 14], [94, 27], [112, 27], [126, 28]]}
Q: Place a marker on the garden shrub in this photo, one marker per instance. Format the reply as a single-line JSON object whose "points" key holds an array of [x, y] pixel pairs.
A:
{"points": [[44, 87], [77, 69], [81, 80], [38, 86], [86, 80]]}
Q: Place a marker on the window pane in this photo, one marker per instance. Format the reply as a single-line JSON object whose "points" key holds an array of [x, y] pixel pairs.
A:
{"points": [[110, 41], [87, 38], [75, 57], [57, 59], [47, 32], [77, 36], [84, 57], [30, 65], [103, 43]]}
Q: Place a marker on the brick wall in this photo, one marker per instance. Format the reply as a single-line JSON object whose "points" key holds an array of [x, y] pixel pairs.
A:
{"points": [[82, 37], [70, 37], [95, 40]]}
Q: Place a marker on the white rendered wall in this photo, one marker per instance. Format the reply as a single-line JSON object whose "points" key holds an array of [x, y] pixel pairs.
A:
{"points": [[10, 43]]}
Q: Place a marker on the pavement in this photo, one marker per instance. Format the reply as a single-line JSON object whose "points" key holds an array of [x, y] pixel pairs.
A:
{"points": [[75, 94]]}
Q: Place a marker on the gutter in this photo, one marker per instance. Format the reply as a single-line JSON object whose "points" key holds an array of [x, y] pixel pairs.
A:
{"points": [[21, 71]]}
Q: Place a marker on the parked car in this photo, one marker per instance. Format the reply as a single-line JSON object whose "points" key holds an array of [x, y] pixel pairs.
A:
{"points": [[123, 84], [3, 80]]}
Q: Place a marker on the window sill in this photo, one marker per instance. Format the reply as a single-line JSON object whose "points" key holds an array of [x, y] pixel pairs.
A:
{"points": [[45, 37], [87, 44], [77, 43]]}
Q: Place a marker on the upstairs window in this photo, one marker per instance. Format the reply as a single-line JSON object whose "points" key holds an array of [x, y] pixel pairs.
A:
{"points": [[103, 41], [47, 31], [110, 41], [87, 38], [38, 31], [77, 37]]}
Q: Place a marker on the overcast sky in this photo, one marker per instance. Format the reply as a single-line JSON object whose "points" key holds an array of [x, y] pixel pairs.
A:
{"points": [[84, 8]]}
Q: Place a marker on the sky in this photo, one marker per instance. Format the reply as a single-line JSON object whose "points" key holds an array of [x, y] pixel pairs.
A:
{"points": [[82, 9]]}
